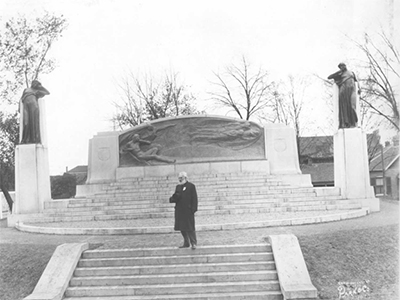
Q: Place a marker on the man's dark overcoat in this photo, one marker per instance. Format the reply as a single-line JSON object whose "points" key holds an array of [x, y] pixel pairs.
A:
{"points": [[185, 199]]}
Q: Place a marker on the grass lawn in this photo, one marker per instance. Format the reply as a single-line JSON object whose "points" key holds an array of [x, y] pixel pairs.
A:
{"points": [[352, 256], [21, 266]]}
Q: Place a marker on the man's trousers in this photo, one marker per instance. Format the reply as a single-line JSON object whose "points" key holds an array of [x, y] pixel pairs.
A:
{"points": [[189, 238]]}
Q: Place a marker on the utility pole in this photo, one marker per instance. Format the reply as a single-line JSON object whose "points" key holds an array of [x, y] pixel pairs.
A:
{"points": [[383, 171]]}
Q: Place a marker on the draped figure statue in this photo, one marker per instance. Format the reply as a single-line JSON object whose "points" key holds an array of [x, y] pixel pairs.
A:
{"points": [[346, 81], [31, 114]]}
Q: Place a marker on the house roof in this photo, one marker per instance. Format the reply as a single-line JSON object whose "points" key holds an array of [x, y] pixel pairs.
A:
{"points": [[321, 172], [79, 169], [316, 146], [390, 155], [322, 146]]}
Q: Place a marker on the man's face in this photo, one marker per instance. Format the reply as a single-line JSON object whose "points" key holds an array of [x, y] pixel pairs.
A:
{"points": [[182, 179]]}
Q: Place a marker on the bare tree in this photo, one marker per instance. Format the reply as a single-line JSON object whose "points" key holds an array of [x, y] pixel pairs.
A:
{"points": [[145, 98], [288, 104], [24, 47], [382, 71], [245, 91]]}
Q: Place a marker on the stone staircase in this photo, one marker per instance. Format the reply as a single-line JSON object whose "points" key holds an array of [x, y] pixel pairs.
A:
{"points": [[209, 272], [230, 193]]}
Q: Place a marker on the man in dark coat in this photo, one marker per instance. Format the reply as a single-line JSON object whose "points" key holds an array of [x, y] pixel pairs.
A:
{"points": [[185, 199]]}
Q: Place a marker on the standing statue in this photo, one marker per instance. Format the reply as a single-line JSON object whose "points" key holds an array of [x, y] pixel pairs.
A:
{"points": [[346, 81], [31, 113]]}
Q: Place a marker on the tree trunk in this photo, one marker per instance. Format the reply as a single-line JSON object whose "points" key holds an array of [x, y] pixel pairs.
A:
{"points": [[6, 195]]}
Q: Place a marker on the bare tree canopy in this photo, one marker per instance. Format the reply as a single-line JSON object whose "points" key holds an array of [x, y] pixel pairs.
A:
{"points": [[145, 98], [245, 91], [288, 103], [24, 47], [382, 72]]}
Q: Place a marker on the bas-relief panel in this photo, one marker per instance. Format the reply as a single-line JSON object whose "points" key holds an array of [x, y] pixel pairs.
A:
{"points": [[191, 139]]}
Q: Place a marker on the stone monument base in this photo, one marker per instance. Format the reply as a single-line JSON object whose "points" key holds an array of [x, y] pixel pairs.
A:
{"points": [[351, 167], [32, 179]]}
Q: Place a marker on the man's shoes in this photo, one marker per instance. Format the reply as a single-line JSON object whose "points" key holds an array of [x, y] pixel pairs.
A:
{"points": [[184, 246], [194, 247]]}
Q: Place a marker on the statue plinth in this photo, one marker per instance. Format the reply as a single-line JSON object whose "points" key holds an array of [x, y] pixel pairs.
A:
{"points": [[32, 179], [351, 167]]}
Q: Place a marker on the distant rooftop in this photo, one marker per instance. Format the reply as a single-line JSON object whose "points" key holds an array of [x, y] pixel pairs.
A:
{"points": [[79, 169], [390, 155]]}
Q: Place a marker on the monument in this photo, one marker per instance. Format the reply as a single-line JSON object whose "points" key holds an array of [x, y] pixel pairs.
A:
{"points": [[350, 141], [32, 179], [198, 144]]}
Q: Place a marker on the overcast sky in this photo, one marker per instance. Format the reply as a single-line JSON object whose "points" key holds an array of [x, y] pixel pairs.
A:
{"points": [[105, 38]]}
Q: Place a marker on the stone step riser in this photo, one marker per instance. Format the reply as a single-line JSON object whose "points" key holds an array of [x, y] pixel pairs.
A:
{"points": [[107, 201], [209, 191], [175, 279], [122, 253], [175, 269], [162, 201], [207, 181], [210, 205], [175, 260], [216, 296], [124, 216], [206, 187], [206, 177], [209, 196], [248, 208], [173, 289]]}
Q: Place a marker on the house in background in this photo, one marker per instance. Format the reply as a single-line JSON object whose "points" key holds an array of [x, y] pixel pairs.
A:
{"points": [[80, 173], [316, 159], [384, 170]]}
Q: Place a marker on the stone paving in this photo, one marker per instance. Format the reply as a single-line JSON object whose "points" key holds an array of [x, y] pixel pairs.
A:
{"points": [[389, 215]]}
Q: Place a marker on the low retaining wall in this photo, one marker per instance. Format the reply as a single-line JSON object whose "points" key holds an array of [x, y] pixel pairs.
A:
{"points": [[55, 278]]}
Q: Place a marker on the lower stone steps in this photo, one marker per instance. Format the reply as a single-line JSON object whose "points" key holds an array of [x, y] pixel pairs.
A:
{"points": [[209, 272], [264, 295]]}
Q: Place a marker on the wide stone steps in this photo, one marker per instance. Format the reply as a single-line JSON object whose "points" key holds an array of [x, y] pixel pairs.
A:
{"points": [[209, 272], [264, 295], [231, 193], [176, 259], [204, 186], [175, 269], [155, 213], [170, 279], [203, 209]]}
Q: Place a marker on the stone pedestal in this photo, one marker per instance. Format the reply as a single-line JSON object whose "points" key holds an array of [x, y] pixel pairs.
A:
{"points": [[351, 167], [281, 149], [32, 179], [103, 157]]}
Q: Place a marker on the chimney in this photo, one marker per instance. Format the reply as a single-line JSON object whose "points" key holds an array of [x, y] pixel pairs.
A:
{"points": [[387, 144]]}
